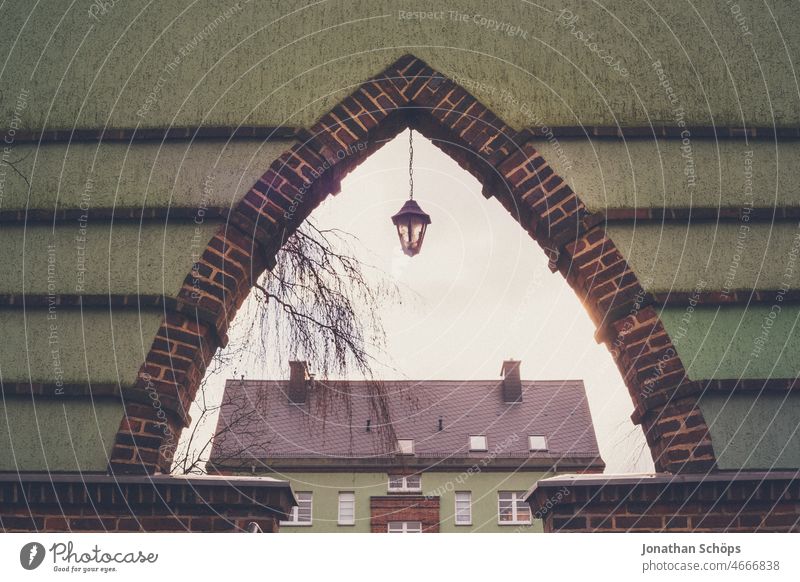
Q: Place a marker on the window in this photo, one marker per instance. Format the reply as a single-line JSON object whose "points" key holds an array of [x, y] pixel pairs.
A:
{"points": [[512, 509], [405, 446], [301, 513], [405, 483], [404, 527], [478, 443], [463, 508], [537, 442], [347, 508]]}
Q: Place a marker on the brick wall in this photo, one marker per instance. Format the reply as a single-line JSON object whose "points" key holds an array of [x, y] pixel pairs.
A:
{"points": [[404, 508], [740, 502], [98, 503]]}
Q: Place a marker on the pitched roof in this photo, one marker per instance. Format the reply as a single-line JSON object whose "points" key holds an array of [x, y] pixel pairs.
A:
{"points": [[257, 421]]}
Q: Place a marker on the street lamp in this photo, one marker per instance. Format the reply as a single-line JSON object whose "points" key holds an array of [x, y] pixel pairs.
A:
{"points": [[411, 221]]}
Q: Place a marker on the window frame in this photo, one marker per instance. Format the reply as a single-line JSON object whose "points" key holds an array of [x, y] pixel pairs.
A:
{"points": [[404, 488], [295, 514], [404, 526], [537, 449], [468, 494], [517, 498], [479, 449], [339, 520]]}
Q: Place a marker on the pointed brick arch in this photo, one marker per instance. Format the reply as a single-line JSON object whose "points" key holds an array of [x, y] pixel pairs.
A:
{"points": [[411, 94]]}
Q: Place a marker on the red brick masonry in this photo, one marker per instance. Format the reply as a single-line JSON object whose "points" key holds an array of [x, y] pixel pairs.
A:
{"points": [[404, 508], [720, 502], [102, 503]]}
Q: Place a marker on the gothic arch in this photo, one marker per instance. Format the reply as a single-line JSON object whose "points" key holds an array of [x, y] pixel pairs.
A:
{"points": [[411, 94]]}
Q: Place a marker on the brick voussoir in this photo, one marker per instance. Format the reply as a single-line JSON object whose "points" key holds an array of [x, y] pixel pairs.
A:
{"points": [[384, 95], [410, 78], [346, 121]]}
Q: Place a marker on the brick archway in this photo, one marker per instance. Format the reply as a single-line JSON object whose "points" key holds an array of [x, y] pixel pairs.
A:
{"points": [[411, 94]]}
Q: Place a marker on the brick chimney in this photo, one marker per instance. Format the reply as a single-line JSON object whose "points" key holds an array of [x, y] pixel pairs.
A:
{"points": [[299, 381], [512, 385]]}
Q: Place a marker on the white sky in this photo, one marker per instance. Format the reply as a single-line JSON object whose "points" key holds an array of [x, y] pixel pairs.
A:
{"points": [[479, 292]]}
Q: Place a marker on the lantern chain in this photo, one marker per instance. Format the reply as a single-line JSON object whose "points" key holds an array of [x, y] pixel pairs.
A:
{"points": [[410, 163]]}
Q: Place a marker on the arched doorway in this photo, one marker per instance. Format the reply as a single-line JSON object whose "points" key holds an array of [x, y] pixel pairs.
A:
{"points": [[505, 161]]}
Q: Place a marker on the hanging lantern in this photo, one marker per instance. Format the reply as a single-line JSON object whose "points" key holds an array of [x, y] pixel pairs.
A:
{"points": [[411, 221]]}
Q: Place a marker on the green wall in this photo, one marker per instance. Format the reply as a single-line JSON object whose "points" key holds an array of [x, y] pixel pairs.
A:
{"points": [[711, 256], [644, 173], [97, 258], [225, 63], [116, 175], [88, 347], [484, 487], [57, 434], [736, 342], [748, 433], [288, 62]]}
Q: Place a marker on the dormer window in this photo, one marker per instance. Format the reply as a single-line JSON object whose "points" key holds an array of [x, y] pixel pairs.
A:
{"points": [[478, 443], [405, 446], [537, 442]]}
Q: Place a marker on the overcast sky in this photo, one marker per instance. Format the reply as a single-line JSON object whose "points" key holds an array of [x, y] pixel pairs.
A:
{"points": [[478, 293]]}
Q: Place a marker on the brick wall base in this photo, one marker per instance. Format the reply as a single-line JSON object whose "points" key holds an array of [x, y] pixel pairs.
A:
{"points": [[404, 508], [101, 503], [718, 502]]}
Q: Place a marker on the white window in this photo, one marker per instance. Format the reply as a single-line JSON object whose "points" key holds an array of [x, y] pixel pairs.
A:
{"points": [[301, 513], [537, 442], [405, 446], [478, 443], [347, 508], [405, 483], [463, 508], [512, 509], [404, 527]]}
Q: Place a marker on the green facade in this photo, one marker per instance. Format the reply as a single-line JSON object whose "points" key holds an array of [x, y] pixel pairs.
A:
{"points": [[759, 341], [484, 486], [224, 63], [759, 434], [220, 63], [61, 435]]}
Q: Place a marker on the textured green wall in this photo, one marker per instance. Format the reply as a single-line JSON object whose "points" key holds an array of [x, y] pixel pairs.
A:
{"points": [[607, 174], [484, 487], [116, 175], [83, 348], [711, 256], [124, 258], [287, 63], [749, 433], [219, 62], [651, 174], [736, 342], [57, 434]]}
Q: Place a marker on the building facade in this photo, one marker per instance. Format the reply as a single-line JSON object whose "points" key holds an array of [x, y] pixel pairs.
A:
{"points": [[445, 456], [664, 188]]}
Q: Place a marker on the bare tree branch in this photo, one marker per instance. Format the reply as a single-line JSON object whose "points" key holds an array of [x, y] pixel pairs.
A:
{"points": [[318, 304]]}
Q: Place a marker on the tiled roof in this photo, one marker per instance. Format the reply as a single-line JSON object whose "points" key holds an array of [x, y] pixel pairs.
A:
{"points": [[263, 424]]}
